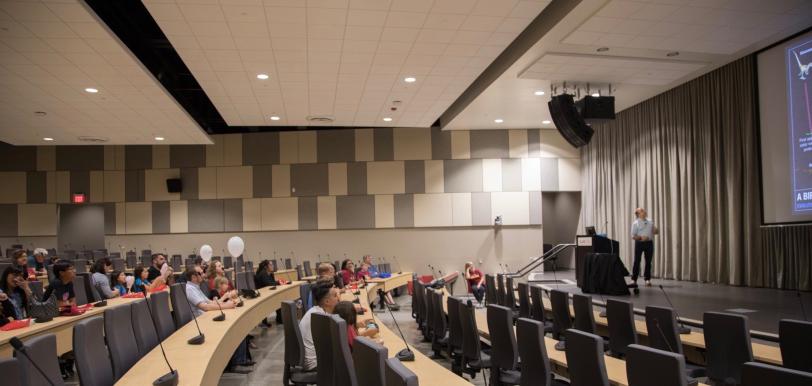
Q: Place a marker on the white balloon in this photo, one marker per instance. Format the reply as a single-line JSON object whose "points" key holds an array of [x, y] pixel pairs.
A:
{"points": [[130, 280], [164, 269], [236, 246], [206, 252]]}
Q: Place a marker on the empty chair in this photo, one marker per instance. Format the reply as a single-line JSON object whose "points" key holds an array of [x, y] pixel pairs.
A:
{"points": [[249, 279], [299, 274], [80, 290], [647, 366], [121, 341], [532, 349], [275, 266], [620, 317], [118, 264], [524, 300], [537, 308], [795, 338], [240, 260], [116, 255], [322, 342], [288, 264], [228, 262], [42, 350], [175, 263], [727, 344], [585, 359], [92, 357], [307, 270], [584, 316], [249, 266], [490, 289], [69, 254], [145, 335], [240, 283], [99, 254], [294, 349], [473, 359], [761, 374], [661, 324], [560, 304], [454, 333], [132, 260], [398, 375], [181, 309], [439, 342], [428, 331], [369, 359], [80, 265], [504, 353], [161, 315], [189, 262], [10, 368], [146, 252]]}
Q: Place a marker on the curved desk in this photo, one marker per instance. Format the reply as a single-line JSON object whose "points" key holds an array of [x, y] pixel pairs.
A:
{"points": [[203, 364]]}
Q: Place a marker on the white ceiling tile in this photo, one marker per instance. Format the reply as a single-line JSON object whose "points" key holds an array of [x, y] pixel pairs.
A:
{"points": [[481, 23], [286, 15], [326, 16], [370, 4], [360, 33], [412, 5], [202, 13], [444, 21], [399, 34], [406, 19], [366, 18]]}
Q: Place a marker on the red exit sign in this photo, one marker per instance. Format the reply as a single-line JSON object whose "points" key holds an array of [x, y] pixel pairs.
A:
{"points": [[78, 198]]}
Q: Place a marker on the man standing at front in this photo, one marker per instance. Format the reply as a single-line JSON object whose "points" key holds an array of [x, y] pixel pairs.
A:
{"points": [[643, 231]]}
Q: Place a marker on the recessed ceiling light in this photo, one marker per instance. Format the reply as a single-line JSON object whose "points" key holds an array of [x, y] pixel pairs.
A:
{"points": [[91, 90], [672, 53], [275, 117], [498, 120], [262, 76], [49, 139], [595, 94], [159, 138], [410, 79], [603, 49], [546, 122], [539, 93], [387, 119]]}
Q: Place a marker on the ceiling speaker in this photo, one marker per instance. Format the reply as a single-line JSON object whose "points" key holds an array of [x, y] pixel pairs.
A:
{"points": [[568, 121]]}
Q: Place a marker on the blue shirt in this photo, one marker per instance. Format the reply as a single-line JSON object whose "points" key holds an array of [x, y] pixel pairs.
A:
{"points": [[138, 285], [373, 271], [643, 228], [122, 290], [195, 297]]}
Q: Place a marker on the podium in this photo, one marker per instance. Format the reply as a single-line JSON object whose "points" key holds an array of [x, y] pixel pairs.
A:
{"points": [[587, 245]]}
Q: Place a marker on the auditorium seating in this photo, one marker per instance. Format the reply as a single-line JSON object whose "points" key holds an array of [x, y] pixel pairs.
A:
{"points": [[795, 337], [727, 341], [585, 359], [620, 317], [473, 359], [532, 349], [42, 350], [398, 375], [308, 271], [369, 359], [760, 374], [118, 330], [649, 366], [159, 305], [92, 357], [560, 303], [504, 353], [537, 308], [143, 327], [325, 370], [439, 336], [10, 368], [454, 333], [524, 300], [490, 290], [294, 349], [181, 309]]}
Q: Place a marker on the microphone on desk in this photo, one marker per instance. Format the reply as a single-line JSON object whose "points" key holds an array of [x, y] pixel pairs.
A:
{"points": [[801, 302], [432, 270], [200, 338], [398, 263], [405, 355], [662, 335], [222, 316], [19, 347], [170, 378], [681, 329]]}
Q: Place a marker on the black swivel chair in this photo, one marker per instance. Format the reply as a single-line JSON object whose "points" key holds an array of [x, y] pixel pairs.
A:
{"points": [[647, 366], [118, 264], [661, 324], [795, 339], [761, 374], [80, 289], [560, 303], [228, 262], [294, 372], [121, 340], [132, 260], [439, 339], [181, 309], [343, 367], [620, 317], [10, 368], [510, 295], [369, 359], [454, 333], [398, 375], [537, 308], [490, 290], [288, 264], [533, 351], [161, 315], [323, 343], [42, 350], [428, 328], [307, 270], [145, 334], [501, 296], [585, 359], [240, 283], [524, 300], [727, 344], [504, 352], [584, 316], [92, 358], [473, 359]]}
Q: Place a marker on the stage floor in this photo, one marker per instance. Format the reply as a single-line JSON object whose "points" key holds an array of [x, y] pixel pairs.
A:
{"points": [[764, 307]]}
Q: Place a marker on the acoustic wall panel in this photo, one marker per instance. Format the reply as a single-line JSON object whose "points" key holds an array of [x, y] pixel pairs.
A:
{"points": [[206, 216], [386, 177], [280, 213], [307, 147], [280, 176], [96, 192], [138, 217], [178, 216], [514, 207], [326, 208], [489, 144], [235, 182], [435, 181], [569, 174], [113, 185], [517, 140], [36, 220], [492, 175], [531, 174], [160, 157], [355, 212], [460, 144], [14, 191], [384, 211], [432, 210], [46, 158], [288, 147], [412, 143], [155, 184], [337, 178], [461, 209], [252, 214], [364, 145], [207, 183]]}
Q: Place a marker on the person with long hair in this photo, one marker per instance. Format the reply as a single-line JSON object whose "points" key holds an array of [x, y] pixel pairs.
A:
{"points": [[347, 311], [476, 281], [142, 280], [348, 272], [17, 293], [119, 280], [100, 280], [264, 276]]}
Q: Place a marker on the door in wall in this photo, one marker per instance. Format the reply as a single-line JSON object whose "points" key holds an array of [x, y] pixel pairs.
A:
{"points": [[81, 227]]}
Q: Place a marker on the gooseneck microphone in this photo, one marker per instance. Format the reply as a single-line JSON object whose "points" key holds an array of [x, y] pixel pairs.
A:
{"points": [[170, 378], [20, 348], [222, 316], [681, 329], [200, 338], [398, 263], [405, 355], [662, 335], [803, 309]]}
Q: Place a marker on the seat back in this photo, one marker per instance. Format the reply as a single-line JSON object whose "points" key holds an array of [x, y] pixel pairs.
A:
{"points": [[240, 283], [181, 309], [228, 262], [370, 362], [560, 304], [343, 365], [175, 262], [299, 274], [69, 254], [249, 266], [440, 326], [524, 300], [189, 261], [10, 368], [308, 271], [36, 288], [132, 260], [795, 339], [398, 375], [510, 294], [471, 349], [145, 334], [161, 315], [118, 264], [532, 349], [501, 297], [288, 264], [80, 265], [454, 324], [537, 304], [649, 366], [727, 344], [504, 353], [585, 359], [146, 252], [620, 316], [80, 290], [42, 350], [661, 324], [322, 342], [584, 316], [250, 279], [760, 374], [418, 309], [429, 330], [118, 330], [294, 344], [92, 357], [490, 289]]}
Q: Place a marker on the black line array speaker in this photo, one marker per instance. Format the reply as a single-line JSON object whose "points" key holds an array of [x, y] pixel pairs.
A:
{"points": [[568, 121], [174, 185], [596, 109]]}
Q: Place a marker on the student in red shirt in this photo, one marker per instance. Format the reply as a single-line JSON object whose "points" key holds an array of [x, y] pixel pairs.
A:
{"points": [[476, 281], [346, 310], [348, 272]]}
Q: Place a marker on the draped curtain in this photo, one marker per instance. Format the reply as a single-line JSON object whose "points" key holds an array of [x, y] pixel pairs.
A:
{"points": [[690, 157]]}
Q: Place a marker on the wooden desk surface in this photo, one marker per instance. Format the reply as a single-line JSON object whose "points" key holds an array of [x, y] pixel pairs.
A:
{"points": [[394, 281], [287, 274], [204, 364]]}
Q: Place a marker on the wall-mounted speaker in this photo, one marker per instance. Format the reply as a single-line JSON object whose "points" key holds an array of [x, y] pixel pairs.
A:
{"points": [[568, 121], [174, 185]]}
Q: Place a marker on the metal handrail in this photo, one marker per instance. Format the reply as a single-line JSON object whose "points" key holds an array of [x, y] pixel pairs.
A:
{"points": [[547, 256]]}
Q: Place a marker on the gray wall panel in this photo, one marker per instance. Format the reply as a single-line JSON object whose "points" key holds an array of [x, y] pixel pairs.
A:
{"points": [[8, 227], [356, 178], [533, 142], [308, 213], [17, 158], [206, 216], [404, 210], [36, 187], [355, 212], [463, 175], [79, 157], [512, 175], [133, 185], [415, 173], [384, 145], [188, 177], [187, 156], [440, 144], [309, 179], [260, 148], [160, 217], [232, 215], [336, 145], [263, 185], [80, 182], [481, 209], [489, 144], [549, 173], [137, 157], [535, 208], [110, 218]]}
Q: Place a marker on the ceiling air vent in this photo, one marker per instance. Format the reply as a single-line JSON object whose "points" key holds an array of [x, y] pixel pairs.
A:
{"points": [[92, 139], [320, 118]]}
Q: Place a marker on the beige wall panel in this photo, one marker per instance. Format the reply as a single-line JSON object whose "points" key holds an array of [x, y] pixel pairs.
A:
{"points": [[387, 177], [155, 184], [517, 140], [160, 157], [46, 158], [214, 153], [207, 183], [178, 216], [14, 189], [235, 182], [384, 211], [121, 218], [432, 210], [118, 157], [434, 176], [280, 214], [553, 145], [232, 150], [113, 186], [63, 187], [460, 144], [364, 145], [280, 180], [288, 147], [337, 177], [138, 217], [36, 220], [412, 143], [531, 174], [252, 214], [569, 174], [461, 209], [96, 186], [514, 207], [492, 175], [50, 187], [326, 208], [307, 147]]}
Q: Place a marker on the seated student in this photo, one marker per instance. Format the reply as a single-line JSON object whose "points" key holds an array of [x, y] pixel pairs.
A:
{"points": [[216, 270], [346, 310], [348, 272], [476, 281], [119, 280], [158, 261], [142, 280], [325, 296], [369, 271], [62, 287], [100, 281], [37, 260], [222, 291], [17, 293], [20, 261], [194, 276], [265, 276], [328, 270]]}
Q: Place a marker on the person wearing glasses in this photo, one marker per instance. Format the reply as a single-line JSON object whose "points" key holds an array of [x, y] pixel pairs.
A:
{"points": [[62, 287]]}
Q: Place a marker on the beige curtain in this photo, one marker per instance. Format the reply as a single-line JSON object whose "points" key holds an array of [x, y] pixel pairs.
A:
{"points": [[690, 157]]}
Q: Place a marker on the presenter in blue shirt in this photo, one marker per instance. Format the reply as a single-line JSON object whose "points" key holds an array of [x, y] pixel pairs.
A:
{"points": [[643, 231]]}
